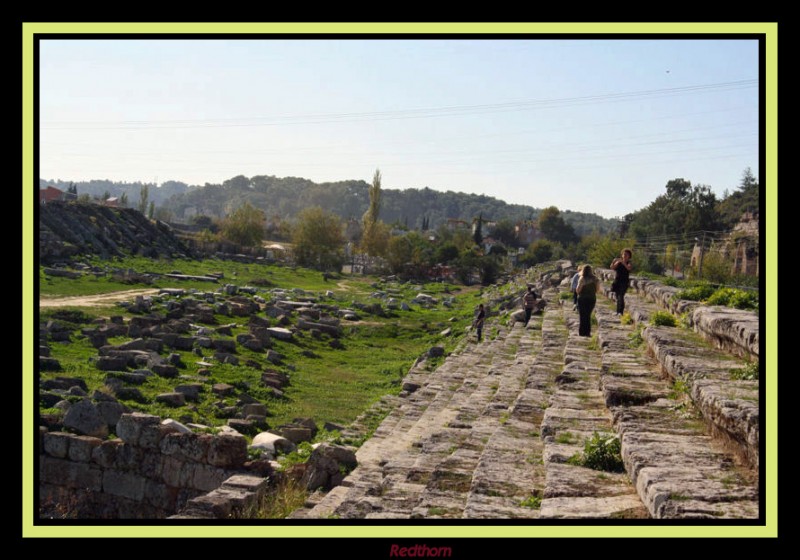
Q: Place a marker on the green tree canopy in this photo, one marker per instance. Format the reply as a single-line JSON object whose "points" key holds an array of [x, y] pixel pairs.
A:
{"points": [[244, 226], [554, 228], [318, 239]]}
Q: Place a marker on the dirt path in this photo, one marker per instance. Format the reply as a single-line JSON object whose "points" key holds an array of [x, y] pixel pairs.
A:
{"points": [[96, 300]]}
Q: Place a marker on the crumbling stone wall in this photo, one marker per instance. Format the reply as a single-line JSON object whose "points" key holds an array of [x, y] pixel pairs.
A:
{"points": [[148, 471]]}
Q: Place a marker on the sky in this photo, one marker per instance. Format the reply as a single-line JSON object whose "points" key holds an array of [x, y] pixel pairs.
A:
{"points": [[585, 125]]}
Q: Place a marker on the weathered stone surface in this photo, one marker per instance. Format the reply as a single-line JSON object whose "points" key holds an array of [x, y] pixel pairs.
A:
{"points": [[222, 389], [331, 330], [280, 333], [187, 447], [274, 357], [254, 408], [191, 391], [171, 399], [84, 418], [226, 358], [56, 444], [174, 426], [272, 444], [48, 364], [227, 451], [296, 434], [129, 427], [81, 448], [621, 507], [84, 476], [124, 484], [109, 363], [165, 370], [105, 454], [324, 465]]}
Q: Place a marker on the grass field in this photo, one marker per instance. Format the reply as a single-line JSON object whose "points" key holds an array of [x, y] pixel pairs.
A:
{"points": [[326, 384]]}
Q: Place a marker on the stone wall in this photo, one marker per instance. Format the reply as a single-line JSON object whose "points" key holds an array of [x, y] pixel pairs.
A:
{"points": [[149, 471]]}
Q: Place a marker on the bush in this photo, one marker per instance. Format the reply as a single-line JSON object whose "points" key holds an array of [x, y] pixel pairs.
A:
{"points": [[699, 292], [747, 373], [731, 297], [602, 452], [565, 295], [663, 319]]}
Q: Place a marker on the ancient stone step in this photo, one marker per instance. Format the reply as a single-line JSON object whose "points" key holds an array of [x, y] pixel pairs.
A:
{"points": [[577, 411], [730, 407], [679, 470]]}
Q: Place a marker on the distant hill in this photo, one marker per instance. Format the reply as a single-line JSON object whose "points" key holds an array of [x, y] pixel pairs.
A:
{"points": [[285, 197]]}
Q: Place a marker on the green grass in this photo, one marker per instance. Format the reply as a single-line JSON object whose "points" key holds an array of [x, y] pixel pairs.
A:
{"points": [[533, 502]]}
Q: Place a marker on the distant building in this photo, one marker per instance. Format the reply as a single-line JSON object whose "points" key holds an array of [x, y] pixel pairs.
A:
{"points": [[527, 232], [454, 224], [111, 202], [50, 194]]}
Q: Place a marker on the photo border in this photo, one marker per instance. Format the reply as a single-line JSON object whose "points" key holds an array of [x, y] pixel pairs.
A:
{"points": [[768, 177]]}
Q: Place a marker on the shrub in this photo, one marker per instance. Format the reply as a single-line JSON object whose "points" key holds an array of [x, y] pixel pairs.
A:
{"points": [[731, 297], [626, 319], [602, 452], [663, 319], [747, 373], [533, 502], [635, 339], [699, 292], [565, 295]]}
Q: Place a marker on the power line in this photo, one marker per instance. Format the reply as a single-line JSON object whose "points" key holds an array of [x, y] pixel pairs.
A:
{"points": [[458, 110]]}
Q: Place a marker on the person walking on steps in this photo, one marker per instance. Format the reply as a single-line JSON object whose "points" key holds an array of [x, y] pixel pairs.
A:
{"points": [[529, 303], [573, 286], [479, 320], [622, 266], [587, 289]]}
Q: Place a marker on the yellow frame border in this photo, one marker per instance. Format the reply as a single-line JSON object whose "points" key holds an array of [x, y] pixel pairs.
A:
{"points": [[769, 30]]}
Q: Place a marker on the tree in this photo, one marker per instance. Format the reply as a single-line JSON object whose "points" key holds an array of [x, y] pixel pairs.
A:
{"points": [[123, 200], [554, 228], [73, 188], [318, 239], [477, 234], [204, 221], [505, 232], [244, 226], [106, 196], [682, 211], [745, 199], [375, 238], [151, 209], [541, 250], [144, 194]]}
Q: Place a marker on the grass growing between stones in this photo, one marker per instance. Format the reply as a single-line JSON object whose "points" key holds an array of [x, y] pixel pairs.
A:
{"points": [[278, 502]]}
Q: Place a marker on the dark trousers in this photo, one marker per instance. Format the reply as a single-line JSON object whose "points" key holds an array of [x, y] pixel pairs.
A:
{"points": [[528, 315], [585, 308], [479, 330], [620, 291], [574, 298]]}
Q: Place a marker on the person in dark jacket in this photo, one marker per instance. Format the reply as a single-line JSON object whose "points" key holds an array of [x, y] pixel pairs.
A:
{"points": [[622, 266], [479, 320], [587, 289]]}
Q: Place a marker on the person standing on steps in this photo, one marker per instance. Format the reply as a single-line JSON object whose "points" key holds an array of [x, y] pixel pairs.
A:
{"points": [[574, 287], [587, 289], [622, 266], [529, 303], [479, 320]]}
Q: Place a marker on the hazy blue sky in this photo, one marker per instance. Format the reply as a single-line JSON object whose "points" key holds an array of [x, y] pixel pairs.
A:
{"points": [[595, 126]]}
